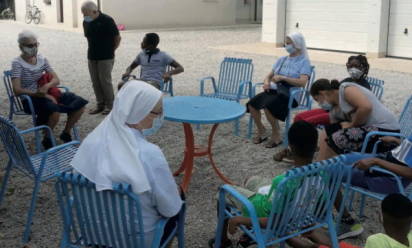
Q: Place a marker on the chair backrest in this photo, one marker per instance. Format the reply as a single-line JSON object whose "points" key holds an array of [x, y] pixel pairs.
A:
{"points": [[165, 87], [110, 218], [15, 147], [14, 101], [405, 120], [234, 71], [376, 86], [304, 99], [305, 197]]}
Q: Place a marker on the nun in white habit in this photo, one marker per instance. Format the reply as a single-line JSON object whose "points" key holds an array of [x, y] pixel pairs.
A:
{"points": [[117, 152]]}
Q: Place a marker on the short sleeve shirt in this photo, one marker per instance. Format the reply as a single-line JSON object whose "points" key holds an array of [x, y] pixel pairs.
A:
{"points": [[100, 34], [29, 74], [292, 67], [154, 69], [381, 240]]}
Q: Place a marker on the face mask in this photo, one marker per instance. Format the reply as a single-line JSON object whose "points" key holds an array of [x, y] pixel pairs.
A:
{"points": [[157, 124], [326, 106], [88, 19], [290, 49], [30, 51], [355, 73]]}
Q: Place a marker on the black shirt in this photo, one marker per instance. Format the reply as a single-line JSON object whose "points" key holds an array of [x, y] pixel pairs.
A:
{"points": [[362, 82], [100, 35]]}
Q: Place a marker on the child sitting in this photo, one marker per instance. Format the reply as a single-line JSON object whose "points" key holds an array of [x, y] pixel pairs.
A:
{"points": [[397, 218], [153, 62], [303, 139]]}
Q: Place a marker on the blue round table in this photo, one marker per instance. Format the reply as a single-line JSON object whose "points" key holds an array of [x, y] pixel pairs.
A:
{"points": [[199, 110]]}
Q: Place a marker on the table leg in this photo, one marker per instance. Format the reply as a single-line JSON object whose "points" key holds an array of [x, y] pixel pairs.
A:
{"points": [[209, 151], [187, 164]]}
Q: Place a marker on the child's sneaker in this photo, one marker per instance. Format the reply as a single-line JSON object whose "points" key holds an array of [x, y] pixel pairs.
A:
{"points": [[349, 230]]}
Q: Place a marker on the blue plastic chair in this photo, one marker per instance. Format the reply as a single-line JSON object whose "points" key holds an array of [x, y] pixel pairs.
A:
{"points": [[303, 201], [16, 107], [234, 82], [110, 218], [405, 121], [376, 86], [40, 167], [303, 98]]}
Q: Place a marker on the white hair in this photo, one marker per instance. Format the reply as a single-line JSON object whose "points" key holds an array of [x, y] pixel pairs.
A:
{"points": [[26, 35], [89, 5]]}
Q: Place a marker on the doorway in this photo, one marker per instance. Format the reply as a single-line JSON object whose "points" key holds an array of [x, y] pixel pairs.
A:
{"points": [[60, 11]]}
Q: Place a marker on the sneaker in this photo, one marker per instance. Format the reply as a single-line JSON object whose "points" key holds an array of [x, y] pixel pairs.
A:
{"points": [[96, 110], [65, 137], [347, 231], [47, 143]]}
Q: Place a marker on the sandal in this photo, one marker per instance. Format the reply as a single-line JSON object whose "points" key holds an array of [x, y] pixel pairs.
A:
{"points": [[227, 244], [258, 140], [272, 144], [106, 111]]}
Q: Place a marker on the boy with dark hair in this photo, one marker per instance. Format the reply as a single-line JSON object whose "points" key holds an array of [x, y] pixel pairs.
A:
{"points": [[153, 62], [397, 218], [303, 140]]}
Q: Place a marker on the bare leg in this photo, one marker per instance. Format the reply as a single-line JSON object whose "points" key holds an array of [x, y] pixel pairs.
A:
{"points": [[257, 118], [325, 152], [72, 118], [52, 121], [275, 138], [338, 202], [297, 242]]}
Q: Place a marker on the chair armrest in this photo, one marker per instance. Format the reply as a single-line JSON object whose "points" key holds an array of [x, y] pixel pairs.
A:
{"points": [[373, 133], [295, 91], [242, 86], [42, 127], [64, 88], [390, 173], [253, 93], [160, 225], [202, 84]]}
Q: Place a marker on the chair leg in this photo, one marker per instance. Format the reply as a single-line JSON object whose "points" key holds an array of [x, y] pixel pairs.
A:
{"points": [[362, 206], [76, 133], [332, 232], [250, 128], [30, 213], [351, 197], [5, 180], [236, 125]]}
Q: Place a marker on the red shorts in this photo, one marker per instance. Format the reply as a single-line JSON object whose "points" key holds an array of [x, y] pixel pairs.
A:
{"points": [[314, 116]]}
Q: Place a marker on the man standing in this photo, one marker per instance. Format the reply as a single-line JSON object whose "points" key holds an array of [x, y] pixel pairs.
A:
{"points": [[103, 38]]}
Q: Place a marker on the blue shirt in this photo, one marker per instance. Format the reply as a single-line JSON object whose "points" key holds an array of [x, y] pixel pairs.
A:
{"points": [[153, 70], [292, 67]]}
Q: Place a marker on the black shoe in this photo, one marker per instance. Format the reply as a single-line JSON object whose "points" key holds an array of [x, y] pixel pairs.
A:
{"points": [[65, 137], [47, 143]]}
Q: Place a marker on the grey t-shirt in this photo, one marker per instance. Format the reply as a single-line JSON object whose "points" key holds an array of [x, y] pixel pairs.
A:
{"points": [[380, 116], [153, 70]]}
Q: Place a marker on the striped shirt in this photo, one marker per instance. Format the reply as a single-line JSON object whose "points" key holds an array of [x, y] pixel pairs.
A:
{"points": [[29, 74]]}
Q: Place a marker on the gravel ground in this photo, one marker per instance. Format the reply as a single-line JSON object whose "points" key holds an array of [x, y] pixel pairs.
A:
{"points": [[236, 156]]}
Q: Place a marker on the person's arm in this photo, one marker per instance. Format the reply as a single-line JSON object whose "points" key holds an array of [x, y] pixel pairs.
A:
{"points": [[400, 170], [18, 90], [298, 82], [177, 68], [363, 107], [267, 80], [117, 40], [235, 222], [129, 69], [53, 83]]}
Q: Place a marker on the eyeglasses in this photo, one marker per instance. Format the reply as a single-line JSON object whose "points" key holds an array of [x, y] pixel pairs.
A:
{"points": [[32, 45], [156, 113]]}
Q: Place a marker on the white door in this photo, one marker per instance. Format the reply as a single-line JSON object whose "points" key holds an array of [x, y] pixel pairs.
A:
{"points": [[400, 29], [329, 24]]}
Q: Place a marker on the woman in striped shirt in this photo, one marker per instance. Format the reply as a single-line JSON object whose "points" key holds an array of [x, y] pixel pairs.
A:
{"points": [[27, 70]]}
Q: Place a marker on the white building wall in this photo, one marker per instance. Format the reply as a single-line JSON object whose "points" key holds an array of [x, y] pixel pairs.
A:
{"points": [[170, 13]]}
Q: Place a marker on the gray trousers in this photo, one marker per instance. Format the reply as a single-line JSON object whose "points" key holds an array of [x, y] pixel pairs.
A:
{"points": [[101, 76]]}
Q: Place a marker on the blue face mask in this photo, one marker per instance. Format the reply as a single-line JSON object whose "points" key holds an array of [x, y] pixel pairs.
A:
{"points": [[157, 124], [326, 106], [88, 19], [290, 49]]}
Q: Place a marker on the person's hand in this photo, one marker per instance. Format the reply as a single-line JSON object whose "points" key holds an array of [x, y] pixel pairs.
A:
{"points": [[390, 139], [39, 94], [365, 164], [43, 89], [167, 76], [233, 225], [266, 86], [278, 78], [346, 124], [51, 98], [125, 75]]}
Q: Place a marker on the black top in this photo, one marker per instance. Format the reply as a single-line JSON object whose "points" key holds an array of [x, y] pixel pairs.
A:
{"points": [[362, 82], [100, 35]]}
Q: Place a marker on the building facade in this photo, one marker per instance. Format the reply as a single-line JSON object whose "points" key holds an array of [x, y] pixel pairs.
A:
{"points": [[377, 28], [149, 13]]}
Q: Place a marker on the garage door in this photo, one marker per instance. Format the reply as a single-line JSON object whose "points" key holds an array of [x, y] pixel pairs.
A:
{"points": [[330, 24], [400, 29]]}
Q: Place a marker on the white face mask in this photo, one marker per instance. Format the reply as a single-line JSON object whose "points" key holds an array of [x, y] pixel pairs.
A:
{"points": [[290, 49], [326, 106], [30, 51], [355, 73], [88, 19], [157, 124]]}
